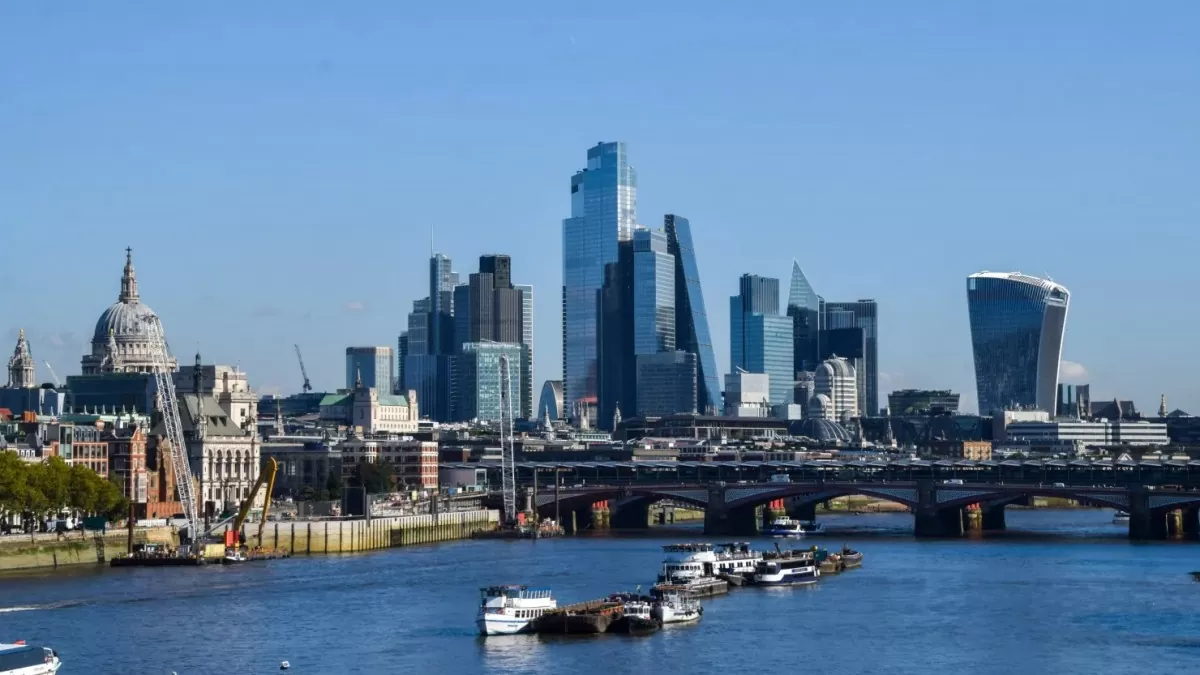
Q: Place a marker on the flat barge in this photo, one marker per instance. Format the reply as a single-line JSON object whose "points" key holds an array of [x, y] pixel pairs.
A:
{"points": [[582, 618], [156, 561], [705, 587]]}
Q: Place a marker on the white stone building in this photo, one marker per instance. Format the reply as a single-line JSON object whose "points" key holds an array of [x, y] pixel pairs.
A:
{"points": [[369, 412], [836, 380], [120, 343]]}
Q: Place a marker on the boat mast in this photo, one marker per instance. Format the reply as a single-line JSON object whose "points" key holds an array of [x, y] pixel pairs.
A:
{"points": [[508, 482]]}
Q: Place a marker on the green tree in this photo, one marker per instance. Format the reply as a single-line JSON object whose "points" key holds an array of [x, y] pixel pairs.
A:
{"points": [[14, 480], [376, 477], [334, 486], [84, 489]]}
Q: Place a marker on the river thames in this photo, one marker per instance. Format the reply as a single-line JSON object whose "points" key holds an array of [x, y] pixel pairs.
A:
{"points": [[1060, 592]]}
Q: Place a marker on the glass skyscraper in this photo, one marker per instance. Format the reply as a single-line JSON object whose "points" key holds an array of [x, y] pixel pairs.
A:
{"points": [[653, 293], [603, 212], [477, 370], [863, 314], [804, 306], [374, 365], [691, 320], [760, 338], [1017, 328]]}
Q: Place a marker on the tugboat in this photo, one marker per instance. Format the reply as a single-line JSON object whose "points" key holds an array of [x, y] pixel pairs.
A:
{"points": [[677, 608], [785, 527], [636, 616], [18, 658], [850, 557], [507, 610]]}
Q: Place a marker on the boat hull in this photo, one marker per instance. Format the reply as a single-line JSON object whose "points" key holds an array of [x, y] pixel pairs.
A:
{"points": [[156, 562], [785, 581], [500, 624], [633, 625], [561, 623]]}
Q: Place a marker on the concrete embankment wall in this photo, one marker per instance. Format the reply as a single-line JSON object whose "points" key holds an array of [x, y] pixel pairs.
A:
{"points": [[347, 536], [48, 550]]}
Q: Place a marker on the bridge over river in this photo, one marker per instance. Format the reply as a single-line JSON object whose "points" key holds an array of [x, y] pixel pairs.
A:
{"points": [[946, 497]]}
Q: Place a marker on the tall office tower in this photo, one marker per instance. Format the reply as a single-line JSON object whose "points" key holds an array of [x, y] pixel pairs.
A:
{"points": [[760, 339], [691, 319], [490, 309], [527, 343], [479, 383], [373, 366], [653, 293], [666, 384], [420, 366], [603, 213], [863, 314], [442, 281], [401, 355], [804, 307], [616, 359], [1017, 328]]}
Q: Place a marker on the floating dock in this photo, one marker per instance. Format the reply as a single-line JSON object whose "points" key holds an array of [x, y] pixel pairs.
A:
{"points": [[701, 588]]}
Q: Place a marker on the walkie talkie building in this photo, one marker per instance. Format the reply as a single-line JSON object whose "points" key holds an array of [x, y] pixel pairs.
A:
{"points": [[1017, 328]]}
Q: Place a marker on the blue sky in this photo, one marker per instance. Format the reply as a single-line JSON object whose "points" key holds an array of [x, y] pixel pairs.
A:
{"points": [[277, 168]]}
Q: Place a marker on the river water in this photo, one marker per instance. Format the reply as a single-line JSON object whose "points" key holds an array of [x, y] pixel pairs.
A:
{"points": [[1060, 592]]}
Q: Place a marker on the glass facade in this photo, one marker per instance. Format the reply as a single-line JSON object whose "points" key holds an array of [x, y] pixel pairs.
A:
{"points": [[691, 319], [1017, 326], [527, 341], [804, 306], [760, 339], [666, 384], [374, 364], [862, 314], [603, 213], [653, 293], [479, 384]]}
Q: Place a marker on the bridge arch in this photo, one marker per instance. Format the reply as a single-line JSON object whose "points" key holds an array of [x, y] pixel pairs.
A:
{"points": [[964, 496], [574, 499], [750, 497]]}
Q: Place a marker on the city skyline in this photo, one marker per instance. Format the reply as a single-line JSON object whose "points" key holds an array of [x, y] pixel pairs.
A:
{"points": [[881, 182]]}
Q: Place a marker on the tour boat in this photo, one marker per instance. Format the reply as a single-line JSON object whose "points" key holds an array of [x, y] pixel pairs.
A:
{"points": [[1120, 518], [675, 608], [786, 527], [735, 560], [791, 569], [21, 659], [507, 610], [687, 562]]}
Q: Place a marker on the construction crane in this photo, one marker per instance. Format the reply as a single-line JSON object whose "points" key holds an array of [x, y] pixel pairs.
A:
{"points": [[168, 405], [267, 477], [307, 386], [508, 477], [53, 374]]}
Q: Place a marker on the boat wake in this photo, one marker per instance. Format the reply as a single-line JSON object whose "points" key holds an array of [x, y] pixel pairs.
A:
{"points": [[6, 610], [33, 608]]}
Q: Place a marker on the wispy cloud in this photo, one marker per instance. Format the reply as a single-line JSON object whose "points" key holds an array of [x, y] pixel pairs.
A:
{"points": [[356, 306], [1069, 371]]}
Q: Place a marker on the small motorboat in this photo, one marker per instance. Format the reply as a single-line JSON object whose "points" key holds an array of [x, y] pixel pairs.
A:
{"points": [[636, 619], [851, 558], [1120, 518], [785, 527], [19, 657]]}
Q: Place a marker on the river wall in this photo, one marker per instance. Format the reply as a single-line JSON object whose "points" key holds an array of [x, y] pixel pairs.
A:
{"points": [[76, 548], [349, 536]]}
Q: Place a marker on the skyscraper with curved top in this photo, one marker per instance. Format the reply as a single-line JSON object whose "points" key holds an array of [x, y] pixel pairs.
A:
{"points": [[1017, 328]]}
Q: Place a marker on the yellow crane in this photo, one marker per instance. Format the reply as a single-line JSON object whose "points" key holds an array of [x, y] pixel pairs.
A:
{"points": [[266, 476]]}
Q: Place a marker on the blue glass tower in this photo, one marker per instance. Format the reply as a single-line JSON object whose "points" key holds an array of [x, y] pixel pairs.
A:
{"points": [[1017, 328], [760, 339], [603, 213], [653, 293], [691, 320]]}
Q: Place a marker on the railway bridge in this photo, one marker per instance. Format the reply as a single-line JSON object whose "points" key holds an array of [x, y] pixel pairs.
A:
{"points": [[946, 498]]}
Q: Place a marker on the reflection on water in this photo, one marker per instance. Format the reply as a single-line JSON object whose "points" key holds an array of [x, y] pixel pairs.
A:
{"points": [[1060, 591]]}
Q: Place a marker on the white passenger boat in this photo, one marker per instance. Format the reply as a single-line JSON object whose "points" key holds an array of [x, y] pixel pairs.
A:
{"points": [[21, 659], [687, 562], [793, 568], [785, 527], [675, 608], [736, 559], [507, 610]]}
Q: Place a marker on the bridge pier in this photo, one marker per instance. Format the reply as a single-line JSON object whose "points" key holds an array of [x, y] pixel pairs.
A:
{"points": [[1144, 524], [993, 517], [719, 519], [931, 521]]}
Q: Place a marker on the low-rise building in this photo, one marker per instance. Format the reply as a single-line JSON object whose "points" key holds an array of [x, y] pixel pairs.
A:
{"points": [[978, 451], [415, 462], [1096, 432], [371, 412], [303, 463]]}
